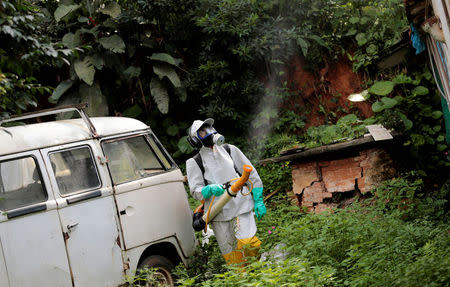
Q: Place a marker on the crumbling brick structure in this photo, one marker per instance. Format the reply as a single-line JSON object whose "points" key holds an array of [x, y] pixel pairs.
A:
{"points": [[331, 176], [321, 184]]}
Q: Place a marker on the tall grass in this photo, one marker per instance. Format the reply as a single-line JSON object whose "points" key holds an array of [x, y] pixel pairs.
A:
{"points": [[383, 241]]}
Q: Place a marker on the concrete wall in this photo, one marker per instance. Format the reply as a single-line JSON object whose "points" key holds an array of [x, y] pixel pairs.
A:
{"points": [[319, 185]]}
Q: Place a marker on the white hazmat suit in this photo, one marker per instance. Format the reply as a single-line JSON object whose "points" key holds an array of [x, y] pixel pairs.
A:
{"points": [[234, 226]]}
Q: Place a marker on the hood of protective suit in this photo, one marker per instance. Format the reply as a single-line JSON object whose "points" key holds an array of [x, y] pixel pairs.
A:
{"points": [[197, 124]]}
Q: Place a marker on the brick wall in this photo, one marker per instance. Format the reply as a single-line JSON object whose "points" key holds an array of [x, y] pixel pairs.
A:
{"points": [[317, 184]]}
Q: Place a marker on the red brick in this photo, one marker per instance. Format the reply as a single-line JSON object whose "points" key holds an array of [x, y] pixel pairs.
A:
{"points": [[304, 165], [340, 181], [366, 169], [366, 163], [327, 195], [362, 185], [373, 156], [308, 195], [342, 162], [348, 186], [314, 188], [348, 167], [319, 196], [314, 193], [303, 175], [343, 171]]}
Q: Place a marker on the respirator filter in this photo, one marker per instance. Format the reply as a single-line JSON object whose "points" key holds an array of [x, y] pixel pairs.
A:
{"points": [[218, 139]]}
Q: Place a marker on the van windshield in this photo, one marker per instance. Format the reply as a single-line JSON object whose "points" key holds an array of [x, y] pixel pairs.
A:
{"points": [[133, 158], [20, 183]]}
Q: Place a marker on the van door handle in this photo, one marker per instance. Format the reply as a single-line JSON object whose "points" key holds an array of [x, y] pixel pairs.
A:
{"points": [[129, 210], [69, 227]]}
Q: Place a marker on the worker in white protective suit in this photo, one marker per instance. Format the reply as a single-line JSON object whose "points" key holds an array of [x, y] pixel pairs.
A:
{"points": [[234, 227]]}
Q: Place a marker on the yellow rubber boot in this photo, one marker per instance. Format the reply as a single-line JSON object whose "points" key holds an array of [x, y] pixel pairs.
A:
{"points": [[250, 246], [234, 257]]}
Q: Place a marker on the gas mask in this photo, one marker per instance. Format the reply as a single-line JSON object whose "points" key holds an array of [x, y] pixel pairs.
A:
{"points": [[201, 133], [209, 136]]}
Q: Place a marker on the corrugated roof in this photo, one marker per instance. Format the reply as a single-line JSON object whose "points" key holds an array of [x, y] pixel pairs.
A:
{"points": [[34, 136]]}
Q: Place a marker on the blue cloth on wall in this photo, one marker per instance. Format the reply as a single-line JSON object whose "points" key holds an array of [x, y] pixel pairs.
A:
{"points": [[417, 42]]}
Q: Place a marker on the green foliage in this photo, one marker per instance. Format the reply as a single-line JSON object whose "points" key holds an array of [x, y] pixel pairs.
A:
{"points": [[289, 121], [270, 146], [205, 263], [430, 266], [411, 105], [85, 71], [373, 26], [160, 95], [276, 176], [208, 57], [382, 88], [371, 243], [146, 277], [110, 39], [361, 30], [235, 39], [398, 195], [23, 50], [346, 128], [292, 272]]}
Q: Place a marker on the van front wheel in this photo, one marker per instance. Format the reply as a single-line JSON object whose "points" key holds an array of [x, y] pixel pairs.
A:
{"points": [[155, 270]]}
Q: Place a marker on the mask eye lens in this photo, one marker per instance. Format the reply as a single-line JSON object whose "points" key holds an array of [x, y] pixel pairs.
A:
{"points": [[201, 133], [205, 132]]}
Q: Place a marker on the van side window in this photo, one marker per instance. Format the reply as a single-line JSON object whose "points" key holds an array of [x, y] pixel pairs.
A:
{"points": [[131, 159], [20, 183], [75, 170]]}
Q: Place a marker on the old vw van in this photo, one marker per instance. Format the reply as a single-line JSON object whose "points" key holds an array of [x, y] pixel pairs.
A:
{"points": [[85, 202]]}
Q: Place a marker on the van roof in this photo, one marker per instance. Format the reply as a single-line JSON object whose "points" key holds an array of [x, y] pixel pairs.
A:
{"points": [[34, 136]]}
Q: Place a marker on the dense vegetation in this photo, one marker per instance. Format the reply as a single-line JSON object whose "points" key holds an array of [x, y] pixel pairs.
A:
{"points": [[152, 59], [378, 242], [168, 62]]}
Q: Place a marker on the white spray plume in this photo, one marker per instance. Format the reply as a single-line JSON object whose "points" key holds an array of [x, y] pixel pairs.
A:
{"points": [[267, 109]]}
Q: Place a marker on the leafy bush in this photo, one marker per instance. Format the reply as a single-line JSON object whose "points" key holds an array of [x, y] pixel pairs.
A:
{"points": [[367, 244], [205, 263], [113, 44], [292, 272], [346, 128], [220, 59], [399, 195], [145, 277], [373, 26], [410, 104], [23, 52], [276, 177]]}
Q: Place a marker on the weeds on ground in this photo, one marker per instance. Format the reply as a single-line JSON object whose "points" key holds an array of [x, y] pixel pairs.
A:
{"points": [[145, 277], [398, 237]]}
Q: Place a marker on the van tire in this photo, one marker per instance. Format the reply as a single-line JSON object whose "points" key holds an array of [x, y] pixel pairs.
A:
{"points": [[163, 267]]}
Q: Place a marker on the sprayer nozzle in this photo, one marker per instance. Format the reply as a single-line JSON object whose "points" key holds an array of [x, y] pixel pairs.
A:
{"points": [[198, 223], [248, 168]]}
